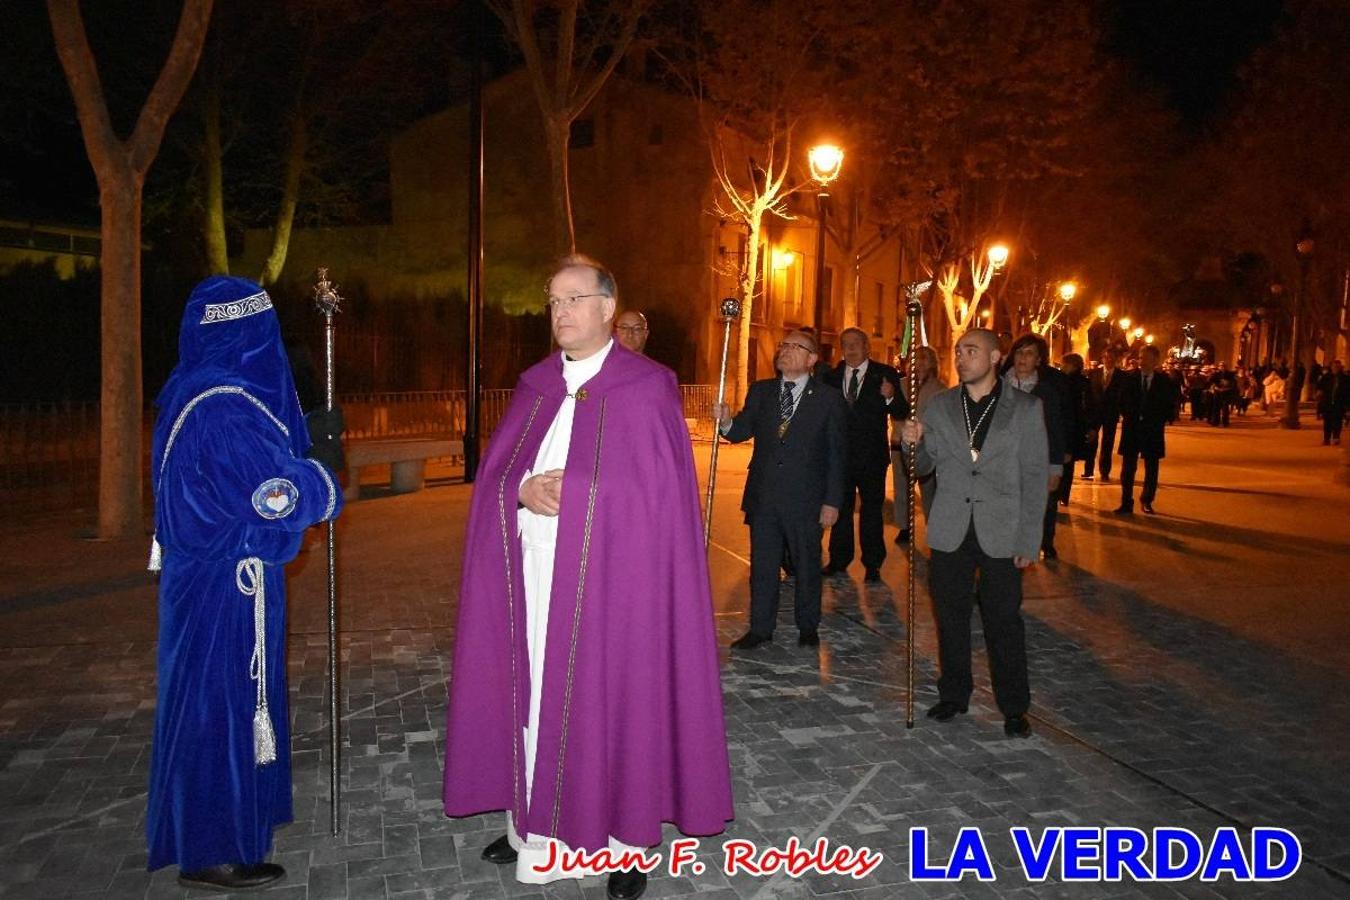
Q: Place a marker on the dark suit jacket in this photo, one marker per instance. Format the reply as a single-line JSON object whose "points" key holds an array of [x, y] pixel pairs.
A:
{"points": [[804, 469], [1105, 400], [869, 443], [1143, 418]]}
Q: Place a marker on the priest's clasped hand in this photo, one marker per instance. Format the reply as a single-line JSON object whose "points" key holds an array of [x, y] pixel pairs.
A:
{"points": [[828, 516], [542, 494]]}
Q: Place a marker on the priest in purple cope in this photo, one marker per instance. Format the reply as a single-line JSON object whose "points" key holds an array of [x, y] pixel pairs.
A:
{"points": [[585, 696]]}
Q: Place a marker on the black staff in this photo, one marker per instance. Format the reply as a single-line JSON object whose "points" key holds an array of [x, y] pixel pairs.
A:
{"points": [[327, 300], [914, 330], [730, 310]]}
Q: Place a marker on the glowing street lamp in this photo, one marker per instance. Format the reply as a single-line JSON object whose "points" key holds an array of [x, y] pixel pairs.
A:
{"points": [[998, 255], [1148, 339], [984, 314], [1125, 323], [1067, 290], [1138, 332], [1103, 312], [826, 161]]}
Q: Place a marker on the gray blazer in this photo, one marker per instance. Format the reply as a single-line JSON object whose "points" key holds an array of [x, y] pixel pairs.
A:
{"points": [[1003, 491]]}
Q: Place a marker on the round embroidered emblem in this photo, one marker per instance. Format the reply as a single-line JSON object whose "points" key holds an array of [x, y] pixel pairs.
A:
{"points": [[275, 498]]}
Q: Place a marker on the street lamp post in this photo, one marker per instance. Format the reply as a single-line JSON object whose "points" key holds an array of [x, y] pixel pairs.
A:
{"points": [[826, 161], [1304, 249]]}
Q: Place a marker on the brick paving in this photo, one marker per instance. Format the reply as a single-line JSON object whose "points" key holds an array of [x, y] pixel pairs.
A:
{"points": [[1176, 683]]}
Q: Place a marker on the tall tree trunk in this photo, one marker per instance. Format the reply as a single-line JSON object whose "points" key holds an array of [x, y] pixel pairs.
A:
{"points": [[213, 215], [295, 169], [558, 133], [119, 475], [120, 167], [749, 285]]}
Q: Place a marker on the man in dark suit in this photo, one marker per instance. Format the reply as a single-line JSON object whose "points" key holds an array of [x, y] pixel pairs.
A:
{"points": [[1105, 384], [1148, 402], [874, 397], [987, 442], [795, 485]]}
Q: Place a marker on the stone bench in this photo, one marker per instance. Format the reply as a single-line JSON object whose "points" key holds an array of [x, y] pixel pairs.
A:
{"points": [[406, 458]]}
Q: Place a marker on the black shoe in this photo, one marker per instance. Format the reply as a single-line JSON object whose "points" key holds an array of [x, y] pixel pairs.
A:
{"points": [[1124, 510], [1106, 477], [749, 641], [1049, 553], [873, 576], [808, 639], [1086, 476], [1017, 726], [500, 852], [902, 538], [946, 710], [626, 885], [832, 569], [1146, 507], [232, 877]]}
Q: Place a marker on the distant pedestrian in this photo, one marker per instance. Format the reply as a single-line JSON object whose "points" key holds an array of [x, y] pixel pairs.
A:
{"points": [[929, 385], [1148, 404], [1029, 370], [1077, 428], [1105, 383], [1333, 399]]}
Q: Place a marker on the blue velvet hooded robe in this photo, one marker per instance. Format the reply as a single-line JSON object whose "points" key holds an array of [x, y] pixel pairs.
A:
{"points": [[235, 485]]}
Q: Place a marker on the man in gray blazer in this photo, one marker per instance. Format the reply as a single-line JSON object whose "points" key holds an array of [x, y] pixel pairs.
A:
{"points": [[988, 447]]}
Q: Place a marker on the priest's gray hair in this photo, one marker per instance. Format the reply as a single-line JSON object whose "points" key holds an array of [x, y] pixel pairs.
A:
{"points": [[604, 279]]}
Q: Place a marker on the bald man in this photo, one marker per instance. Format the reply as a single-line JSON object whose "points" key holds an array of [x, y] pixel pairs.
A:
{"points": [[631, 330], [987, 443]]}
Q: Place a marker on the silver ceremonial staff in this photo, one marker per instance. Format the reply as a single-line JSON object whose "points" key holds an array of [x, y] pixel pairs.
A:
{"points": [[328, 302], [913, 332], [730, 310]]}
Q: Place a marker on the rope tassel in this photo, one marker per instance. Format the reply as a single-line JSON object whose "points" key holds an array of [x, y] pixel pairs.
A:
{"points": [[264, 735]]}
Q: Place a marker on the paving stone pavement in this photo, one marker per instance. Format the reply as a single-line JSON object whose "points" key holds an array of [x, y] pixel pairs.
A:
{"points": [[1145, 716]]}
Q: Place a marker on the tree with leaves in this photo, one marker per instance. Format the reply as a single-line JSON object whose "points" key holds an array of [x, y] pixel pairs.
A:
{"points": [[120, 166]]}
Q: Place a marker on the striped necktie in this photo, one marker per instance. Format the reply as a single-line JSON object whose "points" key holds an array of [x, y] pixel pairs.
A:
{"points": [[784, 408], [853, 387]]}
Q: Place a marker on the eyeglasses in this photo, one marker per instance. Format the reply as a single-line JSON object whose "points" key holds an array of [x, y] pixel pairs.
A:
{"points": [[557, 303], [786, 344], [631, 329]]}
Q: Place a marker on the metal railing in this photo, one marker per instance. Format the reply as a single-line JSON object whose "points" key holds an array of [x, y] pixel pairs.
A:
{"points": [[49, 451]]}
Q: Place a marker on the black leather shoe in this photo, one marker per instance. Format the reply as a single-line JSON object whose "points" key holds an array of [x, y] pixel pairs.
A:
{"points": [[500, 852], [832, 569], [1050, 553], [1106, 477], [1147, 508], [626, 885], [902, 538], [946, 710], [1124, 510], [808, 639], [232, 877], [1017, 726], [873, 576], [749, 641]]}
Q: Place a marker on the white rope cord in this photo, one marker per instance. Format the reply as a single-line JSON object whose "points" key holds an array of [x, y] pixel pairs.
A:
{"points": [[264, 737]]}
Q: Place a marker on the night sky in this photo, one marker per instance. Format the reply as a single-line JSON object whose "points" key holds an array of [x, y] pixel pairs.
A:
{"points": [[1191, 50]]}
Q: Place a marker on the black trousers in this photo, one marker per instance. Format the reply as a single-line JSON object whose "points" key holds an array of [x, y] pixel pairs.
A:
{"points": [[952, 584], [1333, 420], [1128, 466], [770, 534], [1066, 483], [869, 483], [1051, 515], [1106, 446]]}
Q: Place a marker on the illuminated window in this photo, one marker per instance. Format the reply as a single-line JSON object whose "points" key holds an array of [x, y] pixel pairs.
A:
{"points": [[787, 283]]}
